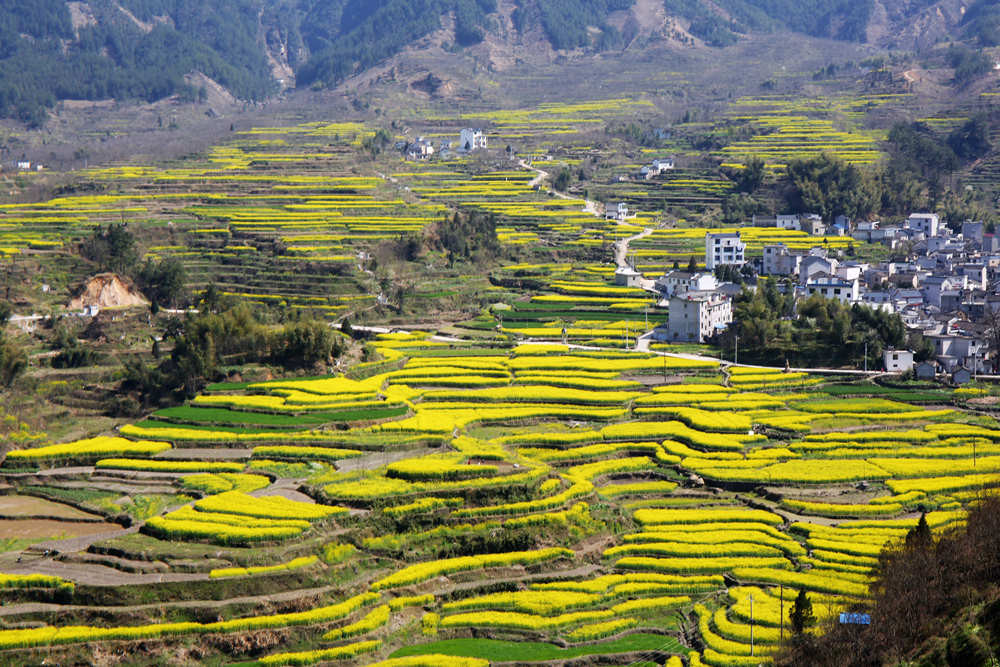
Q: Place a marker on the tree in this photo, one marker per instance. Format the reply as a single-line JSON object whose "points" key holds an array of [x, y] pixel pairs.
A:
{"points": [[752, 176], [801, 614], [692, 264], [562, 179], [163, 282], [112, 248], [972, 139], [919, 537]]}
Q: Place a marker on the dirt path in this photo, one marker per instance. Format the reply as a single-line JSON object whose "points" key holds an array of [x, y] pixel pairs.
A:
{"points": [[588, 205], [379, 459]]}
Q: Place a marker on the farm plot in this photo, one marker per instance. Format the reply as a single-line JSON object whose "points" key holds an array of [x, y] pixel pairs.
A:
{"points": [[489, 532]]}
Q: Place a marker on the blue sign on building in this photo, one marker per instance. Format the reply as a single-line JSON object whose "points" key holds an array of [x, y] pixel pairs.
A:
{"points": [[855, 619]]}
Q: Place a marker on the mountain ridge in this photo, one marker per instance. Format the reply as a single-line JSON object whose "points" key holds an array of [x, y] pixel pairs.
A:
{"points": [[148, 49]]}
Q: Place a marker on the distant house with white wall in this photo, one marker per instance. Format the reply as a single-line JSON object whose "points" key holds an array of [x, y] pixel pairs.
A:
{"points": [[471, 139], [834, 287], [790, 222], [657, 168], [897, 361], [724, 248], [812, 224], [617, 212], [697, 316], [674, 282], [626, 276], [925, 223], [421, 149], [780, 261]]}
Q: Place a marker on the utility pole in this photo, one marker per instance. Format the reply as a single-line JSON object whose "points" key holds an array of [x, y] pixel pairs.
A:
{"points": [[751, 624], [736, 351], [866, 356]]}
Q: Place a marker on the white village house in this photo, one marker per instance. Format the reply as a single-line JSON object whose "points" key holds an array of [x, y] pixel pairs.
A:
{"points": [[697, 316], [471, 139], [724, 248]]}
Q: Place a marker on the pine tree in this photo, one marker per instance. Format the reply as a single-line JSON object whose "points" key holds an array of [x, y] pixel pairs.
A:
{"points": [[801, 614], [920, 535]]}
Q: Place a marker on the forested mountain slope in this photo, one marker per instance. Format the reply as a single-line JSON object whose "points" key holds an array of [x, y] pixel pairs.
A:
{"points": [[52, 50]]}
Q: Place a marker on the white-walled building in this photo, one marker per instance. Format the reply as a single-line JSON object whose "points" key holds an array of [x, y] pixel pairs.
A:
{"points": [[471, 139], [897, 361], [926, 223], [724, 248], [697, 316], [812, 224], [832, 287], [617, 212], [780, 261], [674, 282], [787, 222], [626, 276]]}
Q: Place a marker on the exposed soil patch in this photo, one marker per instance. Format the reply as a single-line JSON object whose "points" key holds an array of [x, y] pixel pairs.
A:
{"points": [[107, 290]]}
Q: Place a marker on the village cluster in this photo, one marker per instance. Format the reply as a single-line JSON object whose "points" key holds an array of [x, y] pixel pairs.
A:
{"points": [[943, 289]]}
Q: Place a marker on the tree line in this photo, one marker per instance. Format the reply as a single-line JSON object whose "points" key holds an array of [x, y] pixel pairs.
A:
{"points": [[934, 603], [774, 329]]}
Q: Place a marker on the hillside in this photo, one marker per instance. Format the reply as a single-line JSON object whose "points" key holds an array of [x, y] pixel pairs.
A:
{"points": [[146, 50]]}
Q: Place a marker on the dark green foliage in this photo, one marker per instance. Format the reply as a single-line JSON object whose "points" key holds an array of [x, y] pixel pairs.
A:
{"points": [[972, 140], [562, 179], [13, 358], [13, 361], [919, 537], [467, 236], [966, 649], [112, 248], [969, 64], [163, 282], [116, 58], [566, 21], [303, 344], [72, 353], [825, 331], [982, 22], [204, 343], [347, 36], [915, 148], [840, 19], [739, 208], [829, 186], [801, 614], [752, 176]]}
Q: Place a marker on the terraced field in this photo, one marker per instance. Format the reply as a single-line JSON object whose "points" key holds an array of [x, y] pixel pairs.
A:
{"points": [[520, 485], [561, 501]]}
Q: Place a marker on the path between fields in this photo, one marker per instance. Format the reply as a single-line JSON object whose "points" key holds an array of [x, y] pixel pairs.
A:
{"points": [[588, 205], [643, 346]]}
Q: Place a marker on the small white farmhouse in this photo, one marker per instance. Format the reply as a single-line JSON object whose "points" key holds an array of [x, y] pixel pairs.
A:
{"points": [[471, 139]]}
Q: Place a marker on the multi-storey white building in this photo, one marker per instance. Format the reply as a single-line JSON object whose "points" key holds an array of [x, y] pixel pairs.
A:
{"points": [[471, 139], [927, 223], [697, 316], [724, 248]]}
